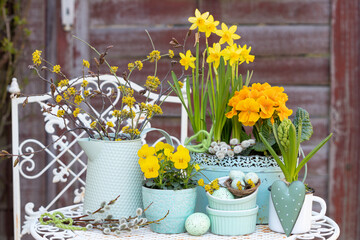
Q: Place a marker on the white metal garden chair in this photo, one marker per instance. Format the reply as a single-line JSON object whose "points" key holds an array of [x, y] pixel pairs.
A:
{"points": [[58, 171]]}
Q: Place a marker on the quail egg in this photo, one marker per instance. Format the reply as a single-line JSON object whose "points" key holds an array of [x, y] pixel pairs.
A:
{"points": [[253, 176], [223, 193], [236, 174], [234, 183]]}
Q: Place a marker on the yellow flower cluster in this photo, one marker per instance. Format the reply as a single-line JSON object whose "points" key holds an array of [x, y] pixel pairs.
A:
{"points": [[84, 83], [131, 66], [122, 114], [126, 91], [60, 113], [71, 91], [86, 93], [110, 124], [63, 83], [37, 57], [131, 131], [171, 53], [151, 109], [259, 101], [210, 188], [78, 99], [139, 64], [113, 69], [86, 63], [152, 83], [56, 69], [233, 53], [128, 100], [76, 112], [58, 98], [154, 56]]}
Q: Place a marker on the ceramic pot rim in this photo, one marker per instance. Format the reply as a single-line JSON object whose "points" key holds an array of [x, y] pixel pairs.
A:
{"points": [[238, 213], [107, 141], [168, 190]]}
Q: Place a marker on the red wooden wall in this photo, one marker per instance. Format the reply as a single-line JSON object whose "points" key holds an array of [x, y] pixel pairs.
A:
{"points": [[294, 43]]}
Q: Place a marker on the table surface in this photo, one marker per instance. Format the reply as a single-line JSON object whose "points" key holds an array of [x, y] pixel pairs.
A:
{"points": [[325, 228]]}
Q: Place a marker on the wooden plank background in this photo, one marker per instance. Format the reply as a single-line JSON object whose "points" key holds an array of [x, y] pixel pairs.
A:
{"points": [[291, 40]]}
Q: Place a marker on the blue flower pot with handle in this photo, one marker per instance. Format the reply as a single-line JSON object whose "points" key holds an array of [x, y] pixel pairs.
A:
{"points": [[179, 203]]}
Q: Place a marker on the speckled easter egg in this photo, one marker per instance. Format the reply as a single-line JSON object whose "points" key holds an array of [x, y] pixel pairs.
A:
{"points": [[236, 174], [253, 176], [197, 224], [235, 182], [223, 193]]}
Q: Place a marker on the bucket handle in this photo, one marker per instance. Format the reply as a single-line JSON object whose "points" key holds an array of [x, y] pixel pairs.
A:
{"points": [[165, 134]]}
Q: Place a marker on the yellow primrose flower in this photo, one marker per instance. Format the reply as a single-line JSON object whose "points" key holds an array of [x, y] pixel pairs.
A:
{"points": [[201, 182], [232, 54], [56, 69], [266, 107], [154, 55], [197, 167], [283, 112], [181, 158], [139, 64], [214, 55], [113, 69], [60, 113], [86, 63], [37, 57], [210, 26], [131, 66], [78, 99], [227, 35], [171, 53], [76, 112], [146, 151], [249, 111], [245, 55], [187, 60], [93, 124], [58, 98], [110, 124], [150, 167], [198, 20]]}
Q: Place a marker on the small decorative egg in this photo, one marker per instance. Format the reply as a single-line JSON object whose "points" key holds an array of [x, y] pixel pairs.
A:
{"points": [[235, 182], [236, 174], [245, 144], [197, 224], [223, 193], [253, 176]]}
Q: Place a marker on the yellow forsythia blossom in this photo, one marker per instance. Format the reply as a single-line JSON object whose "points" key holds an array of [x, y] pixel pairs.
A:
{"points": [[56, 69], [60, 113], [171, 53], [86, 63], [37, 57], [76, 112], [58, 98]]}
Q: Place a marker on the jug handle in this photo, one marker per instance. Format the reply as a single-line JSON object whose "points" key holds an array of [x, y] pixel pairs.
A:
{"points": [[165, 134]]}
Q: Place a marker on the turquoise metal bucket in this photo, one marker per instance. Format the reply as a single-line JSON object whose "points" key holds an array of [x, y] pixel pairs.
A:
{"points": [[113, 170], [179, 203], [265, 167]]}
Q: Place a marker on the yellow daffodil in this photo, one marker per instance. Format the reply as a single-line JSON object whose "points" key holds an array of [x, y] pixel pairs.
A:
{"points": [[232, 54], [227, 34], [210, 26], [56, 69], [146, 151], [245, 55], [86, 63], [37, 57], [187, 60], [249, 111], [214, 55], [181, 158], [198, 21]]}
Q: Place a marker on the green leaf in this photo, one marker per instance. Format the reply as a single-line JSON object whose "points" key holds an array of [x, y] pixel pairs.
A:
{"points": [[306, 130], [267, 133]]}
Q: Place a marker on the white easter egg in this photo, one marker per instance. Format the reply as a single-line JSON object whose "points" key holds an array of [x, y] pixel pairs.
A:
{"points": [[197, 224], [253, 176], [235, 182], [236, 174], [223, 193]]}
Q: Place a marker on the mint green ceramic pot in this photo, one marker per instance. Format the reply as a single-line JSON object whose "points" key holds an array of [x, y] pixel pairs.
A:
{"points": [[113, 170], [265, 167], [179, 203]]}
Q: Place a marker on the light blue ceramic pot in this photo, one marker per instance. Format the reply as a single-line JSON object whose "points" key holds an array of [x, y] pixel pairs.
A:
{"points": [[265, 167], [113, 170], [179, 203]]}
